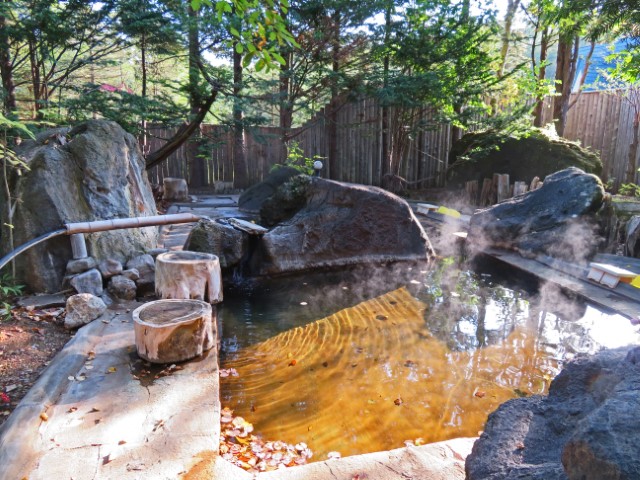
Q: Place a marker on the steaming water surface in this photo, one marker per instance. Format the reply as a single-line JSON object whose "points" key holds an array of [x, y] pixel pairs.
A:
{"points": [[356, 366]]}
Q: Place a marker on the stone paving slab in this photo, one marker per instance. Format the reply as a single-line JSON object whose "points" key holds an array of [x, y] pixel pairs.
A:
{"points": [[89, 418]]}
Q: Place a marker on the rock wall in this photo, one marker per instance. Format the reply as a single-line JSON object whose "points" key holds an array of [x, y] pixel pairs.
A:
{"points": [[94, 171]]}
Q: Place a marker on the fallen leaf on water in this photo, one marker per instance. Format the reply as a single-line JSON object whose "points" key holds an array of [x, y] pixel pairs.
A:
{"points": [[44, 417]]}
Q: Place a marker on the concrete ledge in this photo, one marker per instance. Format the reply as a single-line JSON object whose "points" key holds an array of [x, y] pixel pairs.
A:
{"points": [[436, 461], [103, 423]]}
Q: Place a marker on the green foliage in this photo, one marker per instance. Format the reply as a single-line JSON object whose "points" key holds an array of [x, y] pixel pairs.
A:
{"points": [[8, 290], [296, 159], [265, 31], [629, 190]]}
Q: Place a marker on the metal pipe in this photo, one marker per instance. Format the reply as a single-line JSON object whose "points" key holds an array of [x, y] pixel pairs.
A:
{"points": [[102, 226]]}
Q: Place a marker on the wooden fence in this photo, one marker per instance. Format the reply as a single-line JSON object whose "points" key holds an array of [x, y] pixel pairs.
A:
{"points": [[602, 121], [263, 149]]}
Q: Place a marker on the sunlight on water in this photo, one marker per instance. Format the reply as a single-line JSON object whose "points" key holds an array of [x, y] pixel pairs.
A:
{"points": [[392, 368]]}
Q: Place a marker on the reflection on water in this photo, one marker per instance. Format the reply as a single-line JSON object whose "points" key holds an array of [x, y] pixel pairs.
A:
{"points": [[427, 360]]}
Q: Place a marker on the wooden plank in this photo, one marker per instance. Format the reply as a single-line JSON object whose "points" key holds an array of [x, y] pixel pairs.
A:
{"points": [[485, 195], [503, 188], [607, 298], [519, 188]]}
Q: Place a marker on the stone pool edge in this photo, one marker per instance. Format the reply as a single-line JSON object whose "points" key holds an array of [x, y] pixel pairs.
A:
{"points": [[436, 461], [101, 422]]}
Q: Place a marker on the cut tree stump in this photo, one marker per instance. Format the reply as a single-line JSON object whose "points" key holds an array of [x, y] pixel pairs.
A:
{"points": [[186, 274], [175, 189], [168, 331]]}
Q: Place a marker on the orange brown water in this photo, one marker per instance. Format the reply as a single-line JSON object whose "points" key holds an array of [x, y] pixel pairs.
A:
{"points": [[369, 377]]}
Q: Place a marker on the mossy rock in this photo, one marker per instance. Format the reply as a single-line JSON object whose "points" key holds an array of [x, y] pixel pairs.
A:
{"points": [[479, 155], [287, 200]]}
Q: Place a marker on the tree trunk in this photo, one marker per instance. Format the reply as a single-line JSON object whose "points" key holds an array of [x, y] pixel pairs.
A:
{"points": [[332, 118], [169, 331], [512, 8], [143, 68], [386, 150], [35, 79], [196, 164], [565, 66], [284, 100], [542, 70], [6, 67], [182, 135], [633, 152], [240, 172]]}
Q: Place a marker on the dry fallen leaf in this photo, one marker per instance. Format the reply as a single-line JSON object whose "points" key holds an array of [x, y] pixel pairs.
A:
{"points": [[293, 362], [398, 401]]}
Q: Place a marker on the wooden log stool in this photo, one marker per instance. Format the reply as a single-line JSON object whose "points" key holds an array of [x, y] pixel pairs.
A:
{"points": [[186, 274], [168, 331]]}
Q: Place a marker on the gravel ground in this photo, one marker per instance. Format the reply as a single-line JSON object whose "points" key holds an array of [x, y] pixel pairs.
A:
{"points": [[28, 342]]}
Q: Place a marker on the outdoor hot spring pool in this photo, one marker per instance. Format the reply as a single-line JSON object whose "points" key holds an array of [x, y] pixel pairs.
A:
{"points": [[357, 363]]}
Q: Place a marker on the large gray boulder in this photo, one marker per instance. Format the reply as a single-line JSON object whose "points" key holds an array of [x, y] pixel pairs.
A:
{"points": [[229, 244], [341, 225], [587, 428], [94, 171], [557, 219]]}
